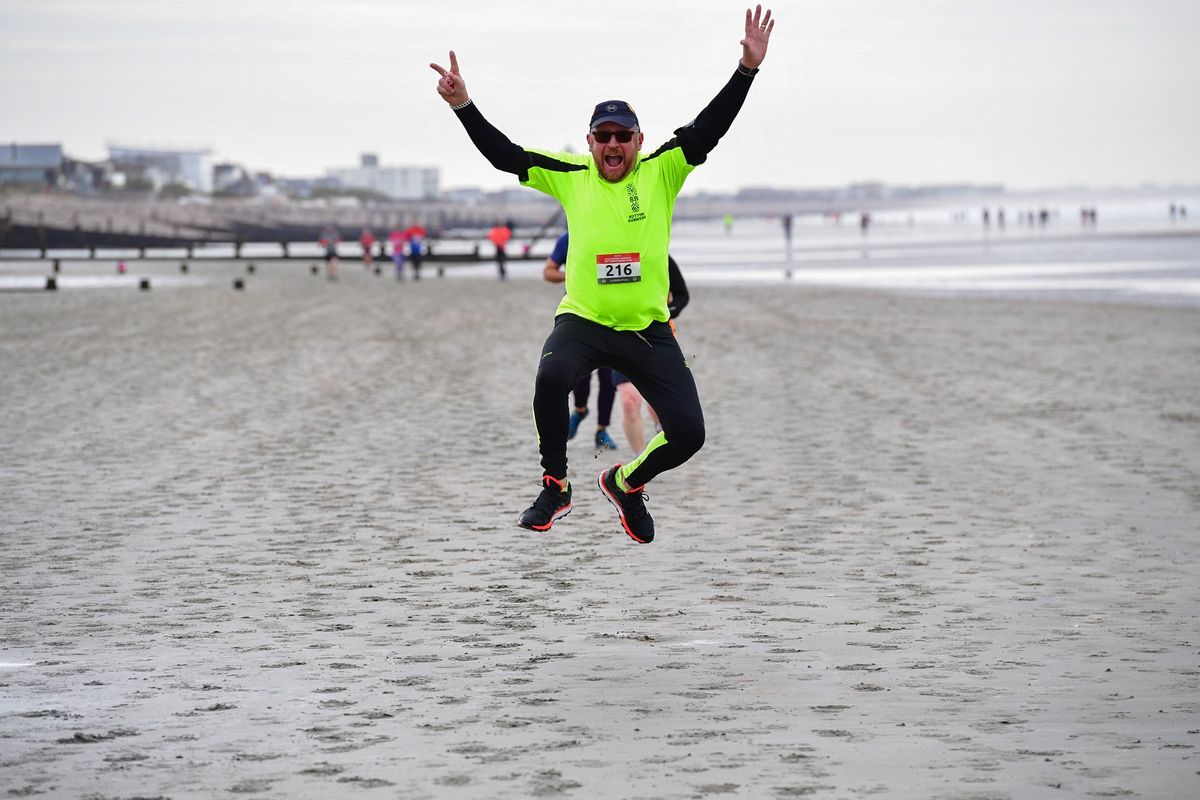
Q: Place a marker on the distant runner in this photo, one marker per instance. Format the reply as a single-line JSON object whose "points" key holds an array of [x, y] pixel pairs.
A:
{"points": [[416, 248], [330, 237], [396, 240], [499, 236], [366, 240], [618, 204]]}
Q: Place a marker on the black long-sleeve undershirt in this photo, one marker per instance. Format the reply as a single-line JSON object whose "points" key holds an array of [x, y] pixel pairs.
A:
{"points": [[495, 146], [696, 139], [678, 291]]}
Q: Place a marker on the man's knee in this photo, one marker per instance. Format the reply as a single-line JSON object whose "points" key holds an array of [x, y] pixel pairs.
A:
{"points": [[686, 434], [631, 401], [555, 377]]}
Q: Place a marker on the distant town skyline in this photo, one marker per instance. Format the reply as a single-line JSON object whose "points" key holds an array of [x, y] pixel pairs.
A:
{"points": [[1024, 93]]}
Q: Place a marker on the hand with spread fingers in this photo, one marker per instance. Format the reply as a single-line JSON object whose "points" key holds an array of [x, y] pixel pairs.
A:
{"points": [[451, 85], [758, 33]]}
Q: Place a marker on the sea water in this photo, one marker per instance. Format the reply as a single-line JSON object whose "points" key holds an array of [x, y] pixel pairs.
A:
{"points": [[1135, 252]]}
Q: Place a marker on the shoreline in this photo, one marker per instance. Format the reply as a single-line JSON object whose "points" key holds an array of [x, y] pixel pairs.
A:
{"points": [[1150, 284]]}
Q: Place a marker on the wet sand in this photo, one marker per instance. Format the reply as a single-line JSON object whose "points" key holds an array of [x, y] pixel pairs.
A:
{"points": [[262, 543]]}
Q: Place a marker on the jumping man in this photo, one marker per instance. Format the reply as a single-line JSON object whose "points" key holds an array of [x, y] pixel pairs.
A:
{"points": [[618, 204]]}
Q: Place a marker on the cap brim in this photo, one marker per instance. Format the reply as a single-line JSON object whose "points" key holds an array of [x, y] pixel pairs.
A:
{"points": [[627, 120]]}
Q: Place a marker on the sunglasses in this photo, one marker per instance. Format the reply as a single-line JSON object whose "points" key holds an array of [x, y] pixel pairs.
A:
{"points": [[623, 137]]}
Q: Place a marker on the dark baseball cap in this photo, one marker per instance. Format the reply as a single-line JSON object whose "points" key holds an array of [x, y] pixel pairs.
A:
{"points": [[617, 111]]}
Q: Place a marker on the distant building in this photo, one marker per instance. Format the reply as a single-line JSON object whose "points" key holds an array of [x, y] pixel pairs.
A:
{"points": [[163, 167], [769, 194], [515, 196], [867, 190], [233, 180], [86, 177], [872, 192], [304, 188], [464, 195], [31, 164], [398, 183], [226, 176]]}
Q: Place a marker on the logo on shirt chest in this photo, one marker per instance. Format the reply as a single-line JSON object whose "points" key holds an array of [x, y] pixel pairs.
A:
{"points": [[635, 205]]}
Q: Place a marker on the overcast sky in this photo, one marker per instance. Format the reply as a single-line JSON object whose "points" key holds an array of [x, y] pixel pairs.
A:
{"points": [[1030, 93]]}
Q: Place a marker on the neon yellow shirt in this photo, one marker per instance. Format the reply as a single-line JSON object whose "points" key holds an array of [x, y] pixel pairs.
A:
{"points": [[617, 262]]}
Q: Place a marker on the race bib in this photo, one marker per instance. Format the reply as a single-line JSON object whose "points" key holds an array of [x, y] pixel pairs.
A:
{"points": [[619, 268]]}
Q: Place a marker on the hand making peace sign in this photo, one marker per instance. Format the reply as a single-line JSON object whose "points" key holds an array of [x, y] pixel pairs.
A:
{"points": [[453, 88]]}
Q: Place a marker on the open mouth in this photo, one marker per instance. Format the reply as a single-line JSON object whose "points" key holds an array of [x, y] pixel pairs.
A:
{"points": [[614, 161]]}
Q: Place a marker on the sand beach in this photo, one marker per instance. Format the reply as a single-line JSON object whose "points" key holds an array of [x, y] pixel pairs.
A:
{"points": [[262, 543]]}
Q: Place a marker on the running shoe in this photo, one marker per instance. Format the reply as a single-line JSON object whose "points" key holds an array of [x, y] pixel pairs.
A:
{"points": [[552, 504], [604, 441], [631, 506], [576, 418]]}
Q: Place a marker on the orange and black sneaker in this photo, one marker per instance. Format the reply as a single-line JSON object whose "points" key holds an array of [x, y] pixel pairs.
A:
{"points": [[630, 505], [552, 504]]}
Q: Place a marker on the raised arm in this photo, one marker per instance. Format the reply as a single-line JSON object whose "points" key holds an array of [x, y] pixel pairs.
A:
{"points": [[495, 146], [698, 138]]}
